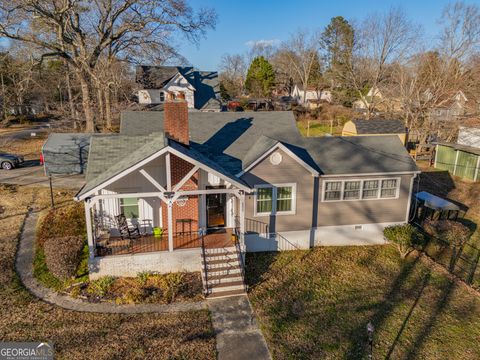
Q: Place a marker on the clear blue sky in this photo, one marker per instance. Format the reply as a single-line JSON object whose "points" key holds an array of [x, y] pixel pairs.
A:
{"points": [[241, 21]]}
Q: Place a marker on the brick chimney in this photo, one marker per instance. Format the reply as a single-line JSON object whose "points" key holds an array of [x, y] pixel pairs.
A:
{"points": [[175, 119]]}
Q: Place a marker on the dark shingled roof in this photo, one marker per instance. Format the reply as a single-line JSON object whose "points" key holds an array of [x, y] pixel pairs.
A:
{"points": [[206, 83], [235, 140], [379, 126], [67, 153], [111, 155]]}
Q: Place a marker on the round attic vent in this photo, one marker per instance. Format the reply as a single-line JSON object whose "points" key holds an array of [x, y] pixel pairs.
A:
{"points": [[276, 158]]}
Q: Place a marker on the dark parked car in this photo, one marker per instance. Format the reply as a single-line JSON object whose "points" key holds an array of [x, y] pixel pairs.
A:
{"points": [[10, 161]]}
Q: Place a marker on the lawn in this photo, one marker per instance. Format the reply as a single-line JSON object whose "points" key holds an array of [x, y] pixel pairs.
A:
{"points": [[316, 305], [318, 128], [87, 335]]}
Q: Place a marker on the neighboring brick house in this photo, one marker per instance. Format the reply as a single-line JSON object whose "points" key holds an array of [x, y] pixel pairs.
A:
{"points": [[221, 184]]}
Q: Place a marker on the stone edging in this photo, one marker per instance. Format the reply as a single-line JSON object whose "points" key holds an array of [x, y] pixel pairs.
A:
{"points": [[24, 266]]}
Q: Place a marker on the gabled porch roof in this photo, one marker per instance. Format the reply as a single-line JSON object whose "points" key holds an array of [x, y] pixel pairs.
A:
{"points": [[112, 158]]}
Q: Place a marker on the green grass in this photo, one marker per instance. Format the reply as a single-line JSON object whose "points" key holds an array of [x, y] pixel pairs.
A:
{"points": [[82, 270], [41, 272], [318, 128], [317, 303]]}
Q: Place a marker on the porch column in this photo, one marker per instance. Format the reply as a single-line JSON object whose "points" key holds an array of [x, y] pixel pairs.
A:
{"points": [[88, 222], [242, 214], [170, 225]]}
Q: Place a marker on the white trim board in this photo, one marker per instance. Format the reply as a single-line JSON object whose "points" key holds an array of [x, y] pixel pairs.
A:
{"points": [[274, 200], [284, 149], [140, 164], [362, 180]]}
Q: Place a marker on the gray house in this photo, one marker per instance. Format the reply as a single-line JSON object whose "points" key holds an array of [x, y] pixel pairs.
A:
{"points": [[198, 190]]}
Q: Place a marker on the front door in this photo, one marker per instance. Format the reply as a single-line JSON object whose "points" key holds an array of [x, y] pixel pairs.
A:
{"points": [[216, 208]]}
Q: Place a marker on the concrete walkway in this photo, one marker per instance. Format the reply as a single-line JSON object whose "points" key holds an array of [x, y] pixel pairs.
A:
{"points": [[237, 334]]}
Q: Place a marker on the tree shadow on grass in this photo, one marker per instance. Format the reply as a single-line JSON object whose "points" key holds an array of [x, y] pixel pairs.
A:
{"points": [[384, 309], [426, 279], [423, 334]]}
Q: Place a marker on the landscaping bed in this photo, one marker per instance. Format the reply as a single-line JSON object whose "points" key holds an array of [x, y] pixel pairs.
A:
{"points": [[317, 304], [62, 230], [78, 335]]}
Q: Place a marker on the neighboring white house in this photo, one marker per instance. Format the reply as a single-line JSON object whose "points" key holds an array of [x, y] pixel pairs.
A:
{"points": [[362, 104], [311, 95], [199, 87]]}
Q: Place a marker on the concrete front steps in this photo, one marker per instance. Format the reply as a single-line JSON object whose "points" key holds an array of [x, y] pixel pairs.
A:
{"points": [[223, 275]]}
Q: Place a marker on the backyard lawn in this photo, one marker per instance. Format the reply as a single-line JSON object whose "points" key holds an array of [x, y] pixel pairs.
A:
{"points": [[318, 128], [87, 335], [316, 305]]}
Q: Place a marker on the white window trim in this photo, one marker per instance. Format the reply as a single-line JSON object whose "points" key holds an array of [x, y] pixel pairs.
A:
{"points": [[274, 200], [362, 180]]}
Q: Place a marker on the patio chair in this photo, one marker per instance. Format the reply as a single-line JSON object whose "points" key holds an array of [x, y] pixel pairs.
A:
{"points": [[126, 231]]}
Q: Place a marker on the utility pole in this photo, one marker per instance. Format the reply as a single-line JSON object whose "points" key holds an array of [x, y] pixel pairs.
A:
{"points": [[51, 191]]}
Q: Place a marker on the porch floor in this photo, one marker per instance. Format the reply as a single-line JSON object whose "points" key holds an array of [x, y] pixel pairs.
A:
{"points": [[113, 245]]}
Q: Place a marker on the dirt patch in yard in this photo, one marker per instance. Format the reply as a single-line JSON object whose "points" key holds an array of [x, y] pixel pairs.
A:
{"points": [[87, 335], [317, 304]]}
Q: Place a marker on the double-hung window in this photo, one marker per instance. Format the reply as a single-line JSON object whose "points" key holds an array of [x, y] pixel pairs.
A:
{"points": [[284, 198], [264, 200], [275, 199], [333, 190], [389, 188], [363, 189], [351, 190], [129, 207], [370, 189]]}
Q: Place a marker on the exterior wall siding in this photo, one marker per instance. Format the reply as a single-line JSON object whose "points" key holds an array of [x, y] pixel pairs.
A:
{"points": [[355, 212], [288, 171]]}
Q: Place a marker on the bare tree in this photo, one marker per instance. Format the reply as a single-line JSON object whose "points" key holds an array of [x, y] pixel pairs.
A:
{"points": [[233, 69], [430, 80], [81, 32], [380, 40], [301, 50], [460, 36]]}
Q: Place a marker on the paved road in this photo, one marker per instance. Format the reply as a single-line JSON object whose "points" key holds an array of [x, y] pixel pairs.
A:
{"points": [[32, 174]]}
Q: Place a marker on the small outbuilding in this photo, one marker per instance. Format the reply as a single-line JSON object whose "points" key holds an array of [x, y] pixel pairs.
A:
{"points": [[429, 206], [375, 127], [66, 153], [460, 160]]}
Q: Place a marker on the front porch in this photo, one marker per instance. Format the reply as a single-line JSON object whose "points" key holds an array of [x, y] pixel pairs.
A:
{"points": [[114, 245]]}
